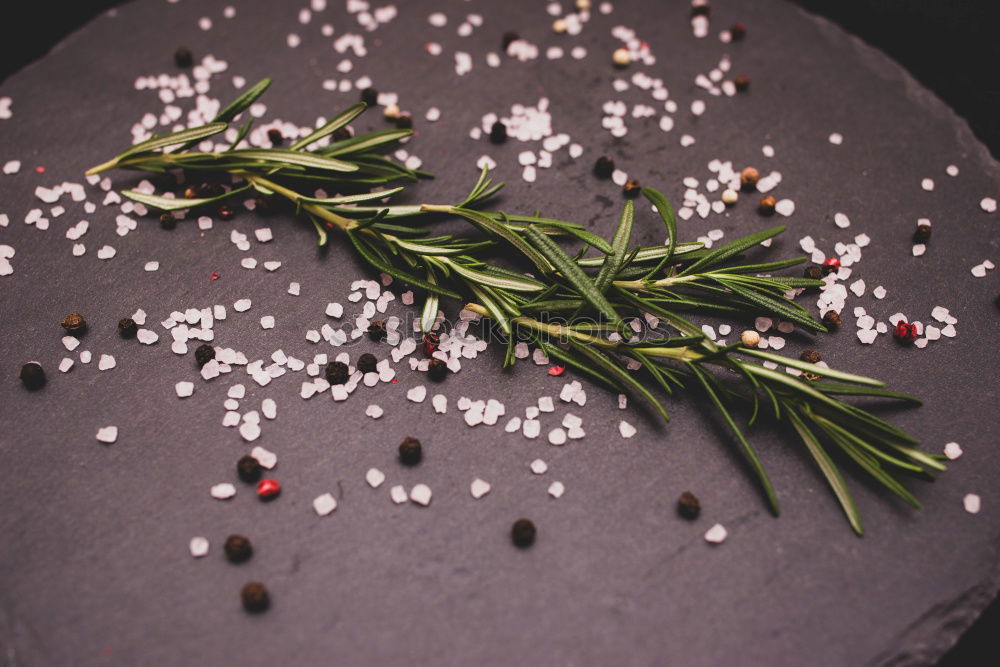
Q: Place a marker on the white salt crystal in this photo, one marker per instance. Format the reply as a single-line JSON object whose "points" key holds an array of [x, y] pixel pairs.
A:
{"points": [[374, 477], [265, 458], [626, 429], [479, 488], [952, 450], [324, 504], [539, 467], [223, 491], [557, 436], [556, 489], [198, 546], [107, 434], [421, 494], [716, 534], [398, 494], [417, 394], [184, 389], [972, 502]]}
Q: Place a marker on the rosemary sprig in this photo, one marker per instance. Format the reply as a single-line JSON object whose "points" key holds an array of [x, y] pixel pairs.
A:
{"points": [[577, 308]]}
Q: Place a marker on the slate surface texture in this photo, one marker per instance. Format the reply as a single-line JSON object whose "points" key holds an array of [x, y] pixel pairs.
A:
{"points": [[94, 567]]}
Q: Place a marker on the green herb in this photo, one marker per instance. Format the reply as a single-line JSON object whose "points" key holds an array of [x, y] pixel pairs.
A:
{"points": [[596, 295]]}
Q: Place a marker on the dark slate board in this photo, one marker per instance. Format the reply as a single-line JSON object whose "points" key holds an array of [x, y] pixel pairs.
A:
{"points": [[95, 569]]}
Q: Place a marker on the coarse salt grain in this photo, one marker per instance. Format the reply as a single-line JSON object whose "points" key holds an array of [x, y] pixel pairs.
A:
{"points": [[952, 450], [107, 434], [539, 467], [223, 491], [626, 429], [972, 503], [557, 489], [198, 546], [324, 504], [479, 488], [421, 494], [716, 534], [184, 389]]}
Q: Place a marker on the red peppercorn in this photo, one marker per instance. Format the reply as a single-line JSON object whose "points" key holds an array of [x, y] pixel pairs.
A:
{"points": [[226, 212], [905, 332], [268, 489], [431, 342]]}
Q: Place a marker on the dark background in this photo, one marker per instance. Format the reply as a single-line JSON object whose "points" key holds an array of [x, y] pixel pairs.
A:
{"points": [[950, 47]]}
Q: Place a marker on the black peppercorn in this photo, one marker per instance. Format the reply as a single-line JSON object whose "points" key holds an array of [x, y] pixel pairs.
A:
{"points": [[226, 212], [631, 189], [404, 121], [341, 134], [922, 234], [369, 96], [203, 354], [238, 548], [522, 533], [742, 83], [604, 167], [738, 31], [437, 370], [275, 136], [367, 363], [249, 469], [376, 331], [688, 506], [410, 451], [255, 597], [127, 328], [508, 39], [74, 324], [811, 356], [831, 319], [498, 133], [168, 221], [183, 58], [814, 272], [32, 375], [766, 205], [337, 372]]}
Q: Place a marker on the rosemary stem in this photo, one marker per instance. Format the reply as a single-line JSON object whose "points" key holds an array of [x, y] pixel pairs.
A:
{"points": [[663, 282], [343, 223]]}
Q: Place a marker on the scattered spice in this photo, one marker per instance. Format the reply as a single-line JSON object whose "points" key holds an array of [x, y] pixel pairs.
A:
{"points": [[183, 58], [811, 356], [437, 370], [337, 372], [812, 377], [831, 319], [190, 192], [621, 58], [522, 533], [268, 489], [255, 597], [275, 136], [168, 221], [376, 331], [738, 31], [410, 451], [922, 233], [729, 197], [905, 332], [32, 375], [631, 189], [742, 83], [226, 212], [431, 342], [404, 121], [74, 324], [688, 506], [498, 133], [249, 469], [766, 205], [830, 265], [369, 96], [127, 328], [749, 177], [367, 363], [203, 354], [750, 338], [604, 167], [814, 272], [238, 548]]}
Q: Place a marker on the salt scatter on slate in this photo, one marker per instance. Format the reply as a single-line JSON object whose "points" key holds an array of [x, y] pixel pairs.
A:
{"points": [[373, 411], [973, 503], [198, 547], [269, 408], [374, 477], [836, 138], [626, 429], [531, 428], [716, 534], [267, 322], [927, 184], [107, 434], [952, 450], [557, 436], [184, 389], [417, 394], [106, 252], [223, 491], [556, 489], [65, 365], [324, 504], [988, 204], [70, 342], [421, 494], [85, 357], [539, 467], [479, 488]]}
